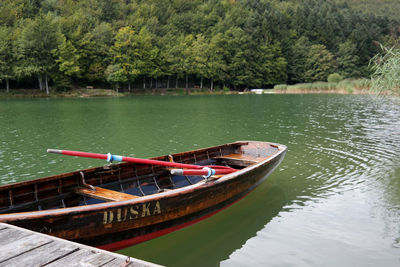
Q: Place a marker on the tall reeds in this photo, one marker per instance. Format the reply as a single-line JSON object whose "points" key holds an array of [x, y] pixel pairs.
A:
{"points": [[349, 85], [386, 71]]}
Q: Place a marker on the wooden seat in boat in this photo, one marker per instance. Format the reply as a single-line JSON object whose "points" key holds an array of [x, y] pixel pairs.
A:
{"points": [[239, 159], [103, 194]]}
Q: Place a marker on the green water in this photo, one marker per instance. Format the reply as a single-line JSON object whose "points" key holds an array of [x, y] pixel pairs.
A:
{"points": [[334, 200]]}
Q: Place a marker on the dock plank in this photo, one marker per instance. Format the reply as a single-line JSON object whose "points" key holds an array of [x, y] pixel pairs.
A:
{"points": [[21, 246], [121, 262], [82, 257], [41, 255], [9, 235], [99, 259]]}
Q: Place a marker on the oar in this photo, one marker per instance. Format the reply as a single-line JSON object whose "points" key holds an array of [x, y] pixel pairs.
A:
{"points": [[207, 172], [111, 158]]}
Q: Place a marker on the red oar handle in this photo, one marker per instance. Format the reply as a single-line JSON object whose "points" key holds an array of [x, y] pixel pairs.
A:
{"points": [[205, 172], [78, 154], [111, 158]]}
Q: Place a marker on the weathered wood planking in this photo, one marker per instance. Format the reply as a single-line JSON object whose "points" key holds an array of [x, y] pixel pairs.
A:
{"points": [[22, 247], [240, 159], [48, 253], [82, 257], [104, 194]]}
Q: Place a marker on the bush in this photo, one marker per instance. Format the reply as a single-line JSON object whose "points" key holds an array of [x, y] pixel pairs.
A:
{"points": [[313, 86], [351, 84], [280, 87], [334, 78]]}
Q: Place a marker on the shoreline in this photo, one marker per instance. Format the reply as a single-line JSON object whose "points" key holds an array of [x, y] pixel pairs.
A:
{"points": [[93, 93], [340, 91]]}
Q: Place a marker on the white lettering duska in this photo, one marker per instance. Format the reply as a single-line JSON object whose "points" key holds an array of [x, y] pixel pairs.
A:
{"points": [[131, 212]]}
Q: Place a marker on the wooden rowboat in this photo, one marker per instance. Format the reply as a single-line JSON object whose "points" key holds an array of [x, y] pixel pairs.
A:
{"points": [[118, 205]]}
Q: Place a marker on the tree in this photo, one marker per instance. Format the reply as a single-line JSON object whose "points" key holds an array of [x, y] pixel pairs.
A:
{"points": [[147, 57], [348, 60], [125, 53], [95, 53], [37, 43], [68, 58], [215, 65], [297, 57], [247, 43], [239, 53], [199, 56], [166, 57], [116, 75], [6, 56], [188, 67], [271, 65], [319, 64], [134, 54], [175, 57]]}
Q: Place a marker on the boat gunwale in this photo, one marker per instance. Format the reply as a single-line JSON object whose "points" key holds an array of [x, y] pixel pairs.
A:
{"points": [[143, 199]]}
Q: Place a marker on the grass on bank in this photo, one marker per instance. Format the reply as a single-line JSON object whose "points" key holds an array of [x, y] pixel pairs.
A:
{"points": [[74, 93], [347, 86], [86, 93]]}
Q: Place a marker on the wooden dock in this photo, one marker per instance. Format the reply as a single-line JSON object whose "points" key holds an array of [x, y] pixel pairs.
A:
{"points": [[22, 247]]}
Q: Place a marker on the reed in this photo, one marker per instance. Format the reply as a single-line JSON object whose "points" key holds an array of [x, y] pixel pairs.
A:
{"points": [[349, 85], [386, 72], [280, 87], [313, 86]]}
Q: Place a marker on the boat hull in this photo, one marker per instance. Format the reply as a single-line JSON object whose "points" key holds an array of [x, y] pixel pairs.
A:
{"points": [[115, 225]]}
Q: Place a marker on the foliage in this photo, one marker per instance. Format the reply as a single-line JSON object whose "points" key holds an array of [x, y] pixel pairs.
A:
{"points": [[233, 44], [37, 44], [313, 86], [6, 56], [319, 64], [334, 78], [348, 60], [280, 87]]}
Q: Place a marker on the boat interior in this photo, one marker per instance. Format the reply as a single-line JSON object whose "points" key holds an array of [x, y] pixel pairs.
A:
{"points": [[124, 181]]}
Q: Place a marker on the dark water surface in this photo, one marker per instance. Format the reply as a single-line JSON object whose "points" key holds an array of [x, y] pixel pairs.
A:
{"points": [[334, 200]]}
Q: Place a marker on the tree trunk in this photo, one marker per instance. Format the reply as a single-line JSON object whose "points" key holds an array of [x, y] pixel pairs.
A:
{"points": [[40, 78], [144, 82], [151, 82], [187, 84], [129, 87], [168, 83], [8, 85], [176, 84], [156, 83], [212, 84], [201, 83], [47, 84]]}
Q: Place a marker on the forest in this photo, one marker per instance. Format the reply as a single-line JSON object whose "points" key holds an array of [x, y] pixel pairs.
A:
{"points": [[235, 44]]}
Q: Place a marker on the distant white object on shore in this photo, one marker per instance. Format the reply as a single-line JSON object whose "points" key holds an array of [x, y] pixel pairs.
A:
{"points": [[261, 91], [257, 91]]}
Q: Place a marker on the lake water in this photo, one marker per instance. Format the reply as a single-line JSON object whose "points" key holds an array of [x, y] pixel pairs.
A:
{"points": [[333, 201]]}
